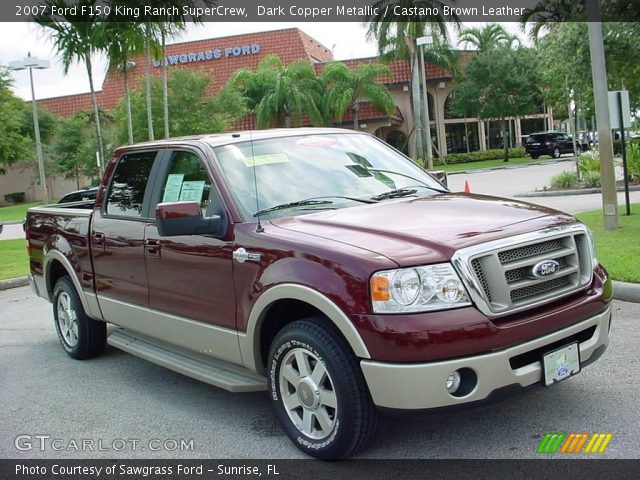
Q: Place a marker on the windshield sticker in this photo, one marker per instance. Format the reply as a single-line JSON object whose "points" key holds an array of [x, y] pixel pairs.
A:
{"points": [[172, 187], [192, 191], [317, 141], [266, 159]]}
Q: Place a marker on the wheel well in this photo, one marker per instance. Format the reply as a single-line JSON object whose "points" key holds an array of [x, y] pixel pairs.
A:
{"points": [[280, 314], [56, 271]]}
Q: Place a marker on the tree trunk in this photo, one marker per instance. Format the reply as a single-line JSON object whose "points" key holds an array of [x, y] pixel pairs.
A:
{"points": [[96, 113], [355, 109], [148, 79], [505, 143], [127, 96], [415, 97], [287, 116], [165, 89]]}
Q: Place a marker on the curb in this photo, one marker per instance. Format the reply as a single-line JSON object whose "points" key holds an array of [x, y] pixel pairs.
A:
{"points": [[627, 292], [13, 283], [510, 167], [14, 222], [562, 193]]}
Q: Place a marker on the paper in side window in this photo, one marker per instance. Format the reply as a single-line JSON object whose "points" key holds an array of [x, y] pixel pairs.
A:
{"points": [[192, 191], [172, 187]]}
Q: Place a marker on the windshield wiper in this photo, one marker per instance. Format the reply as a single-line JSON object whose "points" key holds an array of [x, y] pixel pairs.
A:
{"points": [[310, 202], [396, 193], [403, 192], [422, 184]]}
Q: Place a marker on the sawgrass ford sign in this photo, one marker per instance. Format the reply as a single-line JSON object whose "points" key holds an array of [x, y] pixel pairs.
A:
{"points": [[213, 54]]}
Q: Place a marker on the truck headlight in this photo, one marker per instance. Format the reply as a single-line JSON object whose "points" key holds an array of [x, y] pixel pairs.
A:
{"points": [[418, 289]]}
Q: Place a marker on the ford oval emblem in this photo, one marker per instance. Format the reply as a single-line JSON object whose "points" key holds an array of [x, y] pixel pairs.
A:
{"points": [[545, 268]]}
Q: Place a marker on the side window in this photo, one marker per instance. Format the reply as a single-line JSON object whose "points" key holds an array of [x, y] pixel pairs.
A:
{"points": [[126, 195], [187, 180]]}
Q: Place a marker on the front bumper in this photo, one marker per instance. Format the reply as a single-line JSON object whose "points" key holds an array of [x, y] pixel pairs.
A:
{"points": [[423, 385]]}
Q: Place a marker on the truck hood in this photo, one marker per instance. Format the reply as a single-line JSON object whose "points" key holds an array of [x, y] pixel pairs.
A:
{"points": [[410, 231]]}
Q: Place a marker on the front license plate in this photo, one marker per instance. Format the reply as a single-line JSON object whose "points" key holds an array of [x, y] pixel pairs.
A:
{"points": [[561, 363]]}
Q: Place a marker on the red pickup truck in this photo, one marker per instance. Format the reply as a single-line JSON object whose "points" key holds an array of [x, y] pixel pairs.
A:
{"points": [[324, 267]]}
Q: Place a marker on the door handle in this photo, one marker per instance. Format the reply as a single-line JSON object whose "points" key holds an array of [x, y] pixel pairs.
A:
{"points": [[99, 239], [152, 248]]}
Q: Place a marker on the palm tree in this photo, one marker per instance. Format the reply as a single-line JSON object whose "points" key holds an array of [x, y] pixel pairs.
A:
{"points": [[76, 37], [281, 94], [122, 41], [346, 88], [487, 38], [396, 36]]}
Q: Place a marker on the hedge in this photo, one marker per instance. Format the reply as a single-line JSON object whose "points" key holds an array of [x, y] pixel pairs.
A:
{"points": [[495, 154]]}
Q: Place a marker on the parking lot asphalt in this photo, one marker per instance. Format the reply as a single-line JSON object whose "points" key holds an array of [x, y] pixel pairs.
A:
{"points": [[117, 399]]}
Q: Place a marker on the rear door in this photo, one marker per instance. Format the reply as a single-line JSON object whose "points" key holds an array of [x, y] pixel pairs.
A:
{"points": [[117, 236]]}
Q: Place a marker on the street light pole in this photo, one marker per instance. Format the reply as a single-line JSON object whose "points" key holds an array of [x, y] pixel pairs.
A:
{"points": [[422, 41], [30, 63], [600, 93]]}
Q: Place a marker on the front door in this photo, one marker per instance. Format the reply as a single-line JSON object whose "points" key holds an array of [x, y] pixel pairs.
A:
{"points": [[190, 276]]}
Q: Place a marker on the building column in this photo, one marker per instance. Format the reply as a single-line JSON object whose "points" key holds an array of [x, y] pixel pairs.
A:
{"points": [[518, 132], [482, 135]]}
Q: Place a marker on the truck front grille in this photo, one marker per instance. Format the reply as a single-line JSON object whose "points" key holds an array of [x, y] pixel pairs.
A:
{"points": [[503, 274]]}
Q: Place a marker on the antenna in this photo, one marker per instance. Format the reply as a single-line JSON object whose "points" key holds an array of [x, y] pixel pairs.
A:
{"points": [[259, 228]]}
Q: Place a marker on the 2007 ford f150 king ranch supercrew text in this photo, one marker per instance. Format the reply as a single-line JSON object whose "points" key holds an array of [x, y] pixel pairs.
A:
{"points": [[324, 267]]}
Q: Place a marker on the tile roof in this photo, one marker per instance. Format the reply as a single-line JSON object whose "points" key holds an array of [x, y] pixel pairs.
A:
{"points": [[290, 45]]}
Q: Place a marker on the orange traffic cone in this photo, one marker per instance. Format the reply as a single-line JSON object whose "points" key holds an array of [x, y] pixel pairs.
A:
{"points": [[466, 187]]}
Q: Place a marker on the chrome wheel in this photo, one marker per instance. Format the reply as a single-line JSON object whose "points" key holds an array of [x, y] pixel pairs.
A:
{"points": [[308, 394], [67, 320]]}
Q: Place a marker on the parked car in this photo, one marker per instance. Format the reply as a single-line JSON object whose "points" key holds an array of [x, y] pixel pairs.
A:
{"points": [[1, 226], [548, 143], [80, 195], [325, 268]]}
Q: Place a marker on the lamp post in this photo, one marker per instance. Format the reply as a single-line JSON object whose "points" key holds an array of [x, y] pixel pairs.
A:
{"points": [[30, 63], [421, 42]]}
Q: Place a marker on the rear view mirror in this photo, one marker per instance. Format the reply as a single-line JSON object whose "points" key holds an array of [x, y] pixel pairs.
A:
{"points": [[185, 218]]}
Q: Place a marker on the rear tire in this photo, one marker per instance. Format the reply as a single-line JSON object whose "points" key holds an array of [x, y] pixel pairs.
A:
{"points": [[318, 390], [80, 336], [535, 157]]}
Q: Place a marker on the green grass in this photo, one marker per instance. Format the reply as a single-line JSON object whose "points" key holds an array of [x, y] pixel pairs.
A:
{"points": [[14, 261], [484, 164], [618, 250], [16, 212]]}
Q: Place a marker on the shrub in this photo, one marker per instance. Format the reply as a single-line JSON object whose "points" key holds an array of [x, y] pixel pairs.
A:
{"points": [[589, 162], [565, 180], [495, 154], [633, 162], [15, 197], [590, 179]]}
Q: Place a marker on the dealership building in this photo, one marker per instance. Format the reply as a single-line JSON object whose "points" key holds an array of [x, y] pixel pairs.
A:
{"points": [[221, 57]]}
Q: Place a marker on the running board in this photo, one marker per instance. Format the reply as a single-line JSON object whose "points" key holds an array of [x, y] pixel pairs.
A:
{"points": [[209, 370]]}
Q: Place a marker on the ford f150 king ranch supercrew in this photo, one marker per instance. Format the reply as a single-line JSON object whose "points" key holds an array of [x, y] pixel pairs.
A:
{"points": [[324, 267]]}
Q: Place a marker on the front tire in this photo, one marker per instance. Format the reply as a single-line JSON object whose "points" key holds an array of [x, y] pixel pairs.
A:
{"points": [[556, 153], [80, 336], [318, 391]]}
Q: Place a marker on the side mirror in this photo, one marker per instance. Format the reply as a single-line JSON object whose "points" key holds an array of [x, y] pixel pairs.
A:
{"points": [[185, 218]]}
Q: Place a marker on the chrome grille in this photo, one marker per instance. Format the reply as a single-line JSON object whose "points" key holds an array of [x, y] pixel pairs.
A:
{"points": [[477, 268], [542, 287], [529, 250], [500, 274]]}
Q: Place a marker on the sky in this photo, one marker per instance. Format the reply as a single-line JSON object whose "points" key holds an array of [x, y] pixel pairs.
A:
{"points": [[17, 39]]}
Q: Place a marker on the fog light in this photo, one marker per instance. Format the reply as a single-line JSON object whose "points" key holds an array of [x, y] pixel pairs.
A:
{"points": [[453, 382]]}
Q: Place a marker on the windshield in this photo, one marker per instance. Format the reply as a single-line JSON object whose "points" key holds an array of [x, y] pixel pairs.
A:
{"points": [[332, 166]]}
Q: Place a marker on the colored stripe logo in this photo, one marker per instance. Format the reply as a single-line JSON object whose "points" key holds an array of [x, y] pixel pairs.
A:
{"points": [[582, 442]]}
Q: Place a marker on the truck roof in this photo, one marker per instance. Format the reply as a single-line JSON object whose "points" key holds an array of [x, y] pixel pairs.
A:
{"points": [[218, 139]]}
